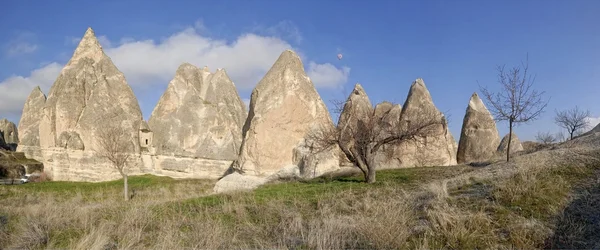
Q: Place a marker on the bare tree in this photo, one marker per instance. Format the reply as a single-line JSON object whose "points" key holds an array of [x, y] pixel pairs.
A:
{"points": [[545, 137], [573, 120], [362, 139], [114, 144], [516, 101]]}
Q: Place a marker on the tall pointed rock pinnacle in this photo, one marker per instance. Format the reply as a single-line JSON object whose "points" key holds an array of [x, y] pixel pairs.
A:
{"points": [[88, 47], [479, 137], [200, 115], [30, 119], [284, 108], [440, 149], [90, 94]]}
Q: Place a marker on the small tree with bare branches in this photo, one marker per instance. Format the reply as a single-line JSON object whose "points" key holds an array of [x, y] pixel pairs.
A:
{"points": [[114, 144], [545, 138], [573, 120], [361, 140], [516, 102]]}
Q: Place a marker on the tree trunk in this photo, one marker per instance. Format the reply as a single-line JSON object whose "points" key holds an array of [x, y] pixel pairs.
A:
{"points": [[371, 173], [125, 188], [571, 134], [510, 126]]}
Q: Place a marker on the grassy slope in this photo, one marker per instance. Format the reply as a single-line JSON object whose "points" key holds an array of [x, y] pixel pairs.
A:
{"points": [[396, 212]]}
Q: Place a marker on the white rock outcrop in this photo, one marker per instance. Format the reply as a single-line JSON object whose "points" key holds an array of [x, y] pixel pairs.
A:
{"points": [[200, 115], [479, 137], [439, 149], [89, 94], [29, 125], [284, 108]]}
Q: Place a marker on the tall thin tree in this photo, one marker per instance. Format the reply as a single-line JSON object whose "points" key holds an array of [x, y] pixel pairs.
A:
{"points": [[114, 144], [516, 101]]}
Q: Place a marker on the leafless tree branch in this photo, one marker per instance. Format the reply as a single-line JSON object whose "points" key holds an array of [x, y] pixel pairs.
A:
{"points": [[516, 101]]}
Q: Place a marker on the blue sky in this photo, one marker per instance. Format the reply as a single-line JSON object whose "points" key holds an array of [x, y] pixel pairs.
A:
{"points": [[452, 45]]}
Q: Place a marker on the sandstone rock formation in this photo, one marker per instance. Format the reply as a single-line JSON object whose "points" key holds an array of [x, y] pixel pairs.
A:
{"points": [[200, 115], [436, 150], [479, 137], [284, 108], [29, 125], [515, 144], [9, 136], [354, 118], [388, 117], [357, 109], [90, 93]]}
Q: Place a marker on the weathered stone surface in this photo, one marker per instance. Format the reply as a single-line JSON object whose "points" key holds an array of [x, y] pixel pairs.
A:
{"points": [[388, 115], [515, 144], [479, 137], [90, 93], [439, 149], [199, 115], [284, 108], [9, 136], [381, 109], [29, 125], [238, 182], [311, 164], [355, 116]]}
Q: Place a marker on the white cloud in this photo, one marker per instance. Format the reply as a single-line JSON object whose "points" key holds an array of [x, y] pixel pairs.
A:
{"points": [[285, 29], [21, 48], [14, 90], [327, 75], [593, 122], [145, 62], [21, 44]]}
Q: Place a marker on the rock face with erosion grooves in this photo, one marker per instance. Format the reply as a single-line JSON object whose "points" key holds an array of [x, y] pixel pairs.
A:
{"points": [[284, 108], [388, 117], [438, 149], [479, 137], [89, 94], [9, 136], [200, 115], [29, 125], [354, 118], [515, 144]]}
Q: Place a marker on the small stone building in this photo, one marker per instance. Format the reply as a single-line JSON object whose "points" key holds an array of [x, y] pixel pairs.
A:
{"points": [[145, 135]]}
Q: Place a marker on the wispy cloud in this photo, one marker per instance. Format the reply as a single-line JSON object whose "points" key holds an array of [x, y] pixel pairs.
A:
{"points": [[284, 29], [24, 43]]}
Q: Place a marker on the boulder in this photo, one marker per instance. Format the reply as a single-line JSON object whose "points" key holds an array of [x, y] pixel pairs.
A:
{"points": [[284, 109], [479, 137], [90, 93], [438, 149], [238, 182], [9, 136], [515, 144], [199, 115], [29, 125]]}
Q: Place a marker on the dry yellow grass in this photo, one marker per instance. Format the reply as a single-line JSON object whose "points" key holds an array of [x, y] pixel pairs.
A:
{"points": [[518, 205]]}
